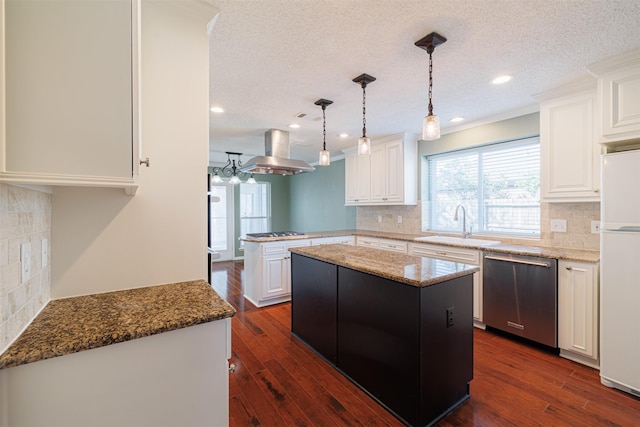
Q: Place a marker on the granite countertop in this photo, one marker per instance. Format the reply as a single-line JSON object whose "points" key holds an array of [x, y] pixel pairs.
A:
{"points": [[80, 323], [515, 249], [408, 269], [306, 235]]}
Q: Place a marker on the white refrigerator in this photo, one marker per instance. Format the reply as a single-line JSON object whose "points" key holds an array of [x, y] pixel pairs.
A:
{"points": [[620, 271]]}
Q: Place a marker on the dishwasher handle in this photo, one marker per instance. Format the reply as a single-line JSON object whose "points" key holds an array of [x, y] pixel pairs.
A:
{"points": [[519, 261]]}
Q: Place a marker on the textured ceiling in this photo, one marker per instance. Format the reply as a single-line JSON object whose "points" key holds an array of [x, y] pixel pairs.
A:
{"points": [[272, 59]]}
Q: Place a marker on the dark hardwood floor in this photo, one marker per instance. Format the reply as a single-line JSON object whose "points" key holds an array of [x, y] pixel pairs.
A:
{"points": [[278, 381]]}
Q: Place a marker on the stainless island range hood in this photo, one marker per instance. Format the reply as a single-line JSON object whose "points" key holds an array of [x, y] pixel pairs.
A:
{"points": [[276, 159]]}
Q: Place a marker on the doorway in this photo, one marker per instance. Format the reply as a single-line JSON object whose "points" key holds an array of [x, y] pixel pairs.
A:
{"points": [[221, 222]]}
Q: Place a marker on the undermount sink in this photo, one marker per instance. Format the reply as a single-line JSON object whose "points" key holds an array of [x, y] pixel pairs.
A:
{"points": [[458, 241]]}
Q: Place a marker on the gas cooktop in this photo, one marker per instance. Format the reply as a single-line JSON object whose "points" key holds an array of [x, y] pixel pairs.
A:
{"points": [[275, 234]]}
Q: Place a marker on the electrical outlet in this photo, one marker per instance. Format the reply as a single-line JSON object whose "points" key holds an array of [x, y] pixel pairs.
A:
{"points": [[399, 219], [379, 218], [559, 225], [25, 262], [45, 252], [595, 227], [450, 321]]}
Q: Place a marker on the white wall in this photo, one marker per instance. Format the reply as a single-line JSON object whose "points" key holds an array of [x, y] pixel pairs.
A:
{"points": [[103, 240]]}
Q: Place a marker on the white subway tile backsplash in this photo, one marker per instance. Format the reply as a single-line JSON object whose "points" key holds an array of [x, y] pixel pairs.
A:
{"points": [[25, 216]]}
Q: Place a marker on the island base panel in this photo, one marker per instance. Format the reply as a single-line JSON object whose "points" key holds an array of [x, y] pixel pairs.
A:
{"points": [[449, 348], [378, 338], [314, 304]]}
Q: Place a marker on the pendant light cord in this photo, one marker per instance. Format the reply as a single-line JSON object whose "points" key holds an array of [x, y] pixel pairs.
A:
{"points": [[364, 109], [324, 128], [430, 83]]}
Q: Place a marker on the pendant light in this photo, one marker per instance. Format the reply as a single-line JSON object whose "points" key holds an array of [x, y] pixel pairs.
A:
{"points": [[431, 124], [364, 143], [325, 157]]}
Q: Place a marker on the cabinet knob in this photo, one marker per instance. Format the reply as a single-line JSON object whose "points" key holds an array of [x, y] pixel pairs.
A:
{"points": [[145, 161], [596, 190], [569, 268]]}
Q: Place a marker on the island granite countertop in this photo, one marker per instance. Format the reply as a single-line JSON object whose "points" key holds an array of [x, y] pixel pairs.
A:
{"points": [[411, 270], [75, 324]]}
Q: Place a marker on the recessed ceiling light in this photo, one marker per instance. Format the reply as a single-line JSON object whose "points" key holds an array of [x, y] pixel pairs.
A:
{"points": [[501, 79], [343, 135], [456, 119], [217, 110], [294, 126]]}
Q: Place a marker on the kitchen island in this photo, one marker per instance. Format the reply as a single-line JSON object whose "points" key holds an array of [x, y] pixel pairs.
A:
{"points": [[398, 326]]}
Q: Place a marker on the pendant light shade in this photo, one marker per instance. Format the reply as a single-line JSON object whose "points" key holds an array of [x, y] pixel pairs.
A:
{"points": [[431, 128], [364, 143], [324, 158], [431, 123]]}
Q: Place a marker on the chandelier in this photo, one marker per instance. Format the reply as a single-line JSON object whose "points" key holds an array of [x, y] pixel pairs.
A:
{"points": [[231, 171]]}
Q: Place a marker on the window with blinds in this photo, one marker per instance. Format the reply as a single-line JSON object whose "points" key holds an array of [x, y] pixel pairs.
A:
{"points": [[255, 209], [498, 185]]}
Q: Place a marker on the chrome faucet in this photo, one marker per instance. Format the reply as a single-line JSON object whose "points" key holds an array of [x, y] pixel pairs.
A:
{"points": [[465, 234]]}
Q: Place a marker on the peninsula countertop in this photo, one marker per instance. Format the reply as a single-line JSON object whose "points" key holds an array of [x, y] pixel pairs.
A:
{"points": [[411, 270], [80, 323]]}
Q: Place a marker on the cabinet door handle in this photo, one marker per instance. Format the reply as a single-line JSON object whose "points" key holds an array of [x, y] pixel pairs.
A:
{"points": [[569, 268]]}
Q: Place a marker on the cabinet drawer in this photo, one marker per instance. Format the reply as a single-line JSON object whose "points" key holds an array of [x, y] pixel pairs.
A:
{"points": [[274, 248], [467, 256], [345, 240], [371, 242], [393, 245]]}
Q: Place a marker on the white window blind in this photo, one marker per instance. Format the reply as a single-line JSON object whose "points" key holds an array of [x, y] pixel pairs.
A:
{"points": [[498, 185]]}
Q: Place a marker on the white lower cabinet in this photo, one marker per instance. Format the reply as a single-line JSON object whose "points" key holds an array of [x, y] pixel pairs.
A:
{"points": [[268, 271], [578, 299], [462, 255], [175, 378], [382, 243], [268, 267]]}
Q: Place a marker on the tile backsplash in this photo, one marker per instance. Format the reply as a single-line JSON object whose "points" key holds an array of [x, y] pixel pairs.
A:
{"points": [[577, 215], [25, 217]]}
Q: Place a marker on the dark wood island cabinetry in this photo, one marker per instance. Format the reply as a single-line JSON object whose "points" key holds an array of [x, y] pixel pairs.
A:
{"points": [[399, 326]]}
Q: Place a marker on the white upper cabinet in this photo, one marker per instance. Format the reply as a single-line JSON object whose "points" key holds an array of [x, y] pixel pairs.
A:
{"points": [[570, 169], [387, 177], [357, 183], [70, 102], [619, 99]]}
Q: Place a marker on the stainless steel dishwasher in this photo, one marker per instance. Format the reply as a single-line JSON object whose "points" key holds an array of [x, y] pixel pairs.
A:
{"points": [[521, 296]]}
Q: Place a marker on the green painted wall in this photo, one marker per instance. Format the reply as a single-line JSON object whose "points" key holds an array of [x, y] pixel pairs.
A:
{"points": [[317, 200]]}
